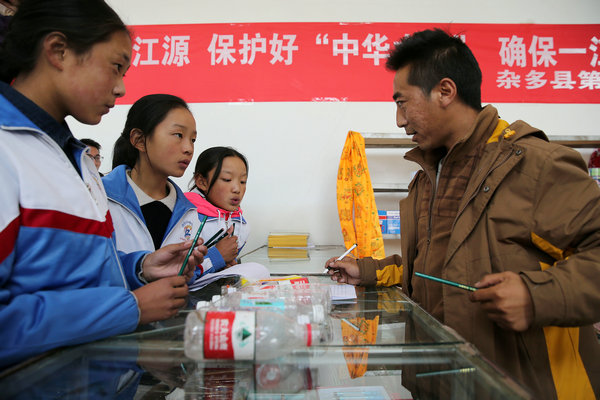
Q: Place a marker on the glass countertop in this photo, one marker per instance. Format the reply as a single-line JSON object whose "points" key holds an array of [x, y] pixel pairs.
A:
{"points": [[383, 346], [313, 263]]}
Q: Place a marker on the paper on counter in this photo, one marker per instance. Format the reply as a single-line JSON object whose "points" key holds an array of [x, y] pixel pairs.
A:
{"points": [[342, 292], [251, 271]]}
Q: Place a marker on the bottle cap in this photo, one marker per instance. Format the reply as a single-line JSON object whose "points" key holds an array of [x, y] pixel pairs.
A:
{"points": [[202, 304]]}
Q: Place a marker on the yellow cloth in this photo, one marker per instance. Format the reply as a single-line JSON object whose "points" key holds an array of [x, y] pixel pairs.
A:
{"points": [[357, 358], [359, 219]]}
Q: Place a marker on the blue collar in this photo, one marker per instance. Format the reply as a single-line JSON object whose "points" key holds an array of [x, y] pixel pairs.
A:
{"points": [[59, 132]]}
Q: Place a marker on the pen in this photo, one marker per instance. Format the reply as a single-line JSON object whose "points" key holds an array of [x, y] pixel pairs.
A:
{"points": [[189, 253], [351, 324], [213, 237], [445, 372], [223, 236], [342, 256], [458, 285], [347, 252]]}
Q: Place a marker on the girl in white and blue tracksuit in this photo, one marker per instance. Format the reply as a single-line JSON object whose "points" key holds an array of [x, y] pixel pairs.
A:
{"points": [[132, 233], [62, 280], [149, 211], [219, 186], [218, 218]]}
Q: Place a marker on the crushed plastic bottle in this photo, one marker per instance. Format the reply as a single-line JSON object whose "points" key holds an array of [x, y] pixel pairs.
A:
{"points": [[302, 293], [303, 311], [248, 335]]}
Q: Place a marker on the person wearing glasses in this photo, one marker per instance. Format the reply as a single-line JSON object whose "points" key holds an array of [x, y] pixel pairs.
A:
{"points": [[94, 152]]}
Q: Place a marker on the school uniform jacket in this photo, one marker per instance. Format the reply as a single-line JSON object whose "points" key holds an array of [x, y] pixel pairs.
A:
{"points": [[218, 218], [530, 208], [61, 279], [130, 225]]}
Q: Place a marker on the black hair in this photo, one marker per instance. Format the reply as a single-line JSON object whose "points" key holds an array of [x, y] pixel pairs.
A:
{"points": [[91, 142], [145, 114], [83, 22], [212, 158], [433, 55]]}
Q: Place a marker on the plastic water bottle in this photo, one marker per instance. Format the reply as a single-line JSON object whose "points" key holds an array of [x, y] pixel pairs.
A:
{"points": [[234, 381], [248, 335], [302, 293], [304, 311]]}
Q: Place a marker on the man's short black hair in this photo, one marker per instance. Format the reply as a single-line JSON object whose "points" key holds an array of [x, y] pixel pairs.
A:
{"points": [[433, 55], [91, 143]]}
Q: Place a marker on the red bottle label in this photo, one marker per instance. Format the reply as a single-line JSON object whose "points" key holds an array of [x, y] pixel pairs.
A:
{"points": [[229, 335]]}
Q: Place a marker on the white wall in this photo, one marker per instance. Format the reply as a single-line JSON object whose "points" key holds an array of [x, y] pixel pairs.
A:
{"points": [[293, 148]]}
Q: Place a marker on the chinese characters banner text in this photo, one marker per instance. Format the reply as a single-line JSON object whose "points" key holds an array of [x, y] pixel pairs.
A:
{"points": [[346, 61]]}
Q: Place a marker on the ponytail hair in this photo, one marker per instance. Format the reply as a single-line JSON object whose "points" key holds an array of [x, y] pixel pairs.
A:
{"points": [[144, 115], [83, 22]]}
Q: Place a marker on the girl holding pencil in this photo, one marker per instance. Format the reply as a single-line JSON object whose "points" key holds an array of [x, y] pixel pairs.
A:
{"points": [[149, 211], [219, 185], [62, 282]]}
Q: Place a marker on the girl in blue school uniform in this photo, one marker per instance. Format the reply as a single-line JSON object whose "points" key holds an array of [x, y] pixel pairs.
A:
{"points": [[62, 282], [219, 185], [149, 210]]}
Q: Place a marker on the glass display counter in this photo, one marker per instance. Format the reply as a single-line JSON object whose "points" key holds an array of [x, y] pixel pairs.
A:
{"points": [[313, 263], [384, 346]]}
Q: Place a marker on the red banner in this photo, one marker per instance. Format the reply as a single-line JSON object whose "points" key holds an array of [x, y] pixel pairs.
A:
{"points": [[266, 62]]}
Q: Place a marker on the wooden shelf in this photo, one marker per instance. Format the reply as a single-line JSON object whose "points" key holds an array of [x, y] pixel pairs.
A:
{"points": [[390, 187], [382, 140], [577, 142], [397, 140]]}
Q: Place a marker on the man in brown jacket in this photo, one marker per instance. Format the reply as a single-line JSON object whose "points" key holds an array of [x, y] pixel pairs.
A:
{"points": [[497, 207]]}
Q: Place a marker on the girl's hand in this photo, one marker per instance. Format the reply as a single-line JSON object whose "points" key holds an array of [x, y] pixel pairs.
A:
{"points": [[161, 299], [228, 248], [167, 260]]}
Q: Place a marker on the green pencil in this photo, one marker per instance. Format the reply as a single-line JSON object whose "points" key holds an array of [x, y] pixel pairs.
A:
{"points": [[458, 285], [189, 253]]}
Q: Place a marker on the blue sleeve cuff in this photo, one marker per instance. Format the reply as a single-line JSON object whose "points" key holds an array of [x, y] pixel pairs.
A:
{"points": [[218, 263], [132, 264]]}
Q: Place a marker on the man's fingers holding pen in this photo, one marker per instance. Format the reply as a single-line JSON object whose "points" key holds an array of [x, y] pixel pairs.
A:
{"points": [[344, 271]]}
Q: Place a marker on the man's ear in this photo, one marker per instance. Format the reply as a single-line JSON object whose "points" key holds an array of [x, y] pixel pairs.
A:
{"points": [[447, 91], [137, 139], [54, 49]]}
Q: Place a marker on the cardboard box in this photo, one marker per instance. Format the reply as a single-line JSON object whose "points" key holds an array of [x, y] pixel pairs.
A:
{"points": [[393, 222], [382, 220]]}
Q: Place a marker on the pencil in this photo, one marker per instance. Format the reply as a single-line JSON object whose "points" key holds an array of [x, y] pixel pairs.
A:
{"points": [[189, 253], [213, 237], [223, 236], [455, 284]]}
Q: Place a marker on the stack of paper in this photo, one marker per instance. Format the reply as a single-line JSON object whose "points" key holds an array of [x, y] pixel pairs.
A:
{"points": [[288, 245], [342, 293], [287, 252], [250, 271], [287, 239]]}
